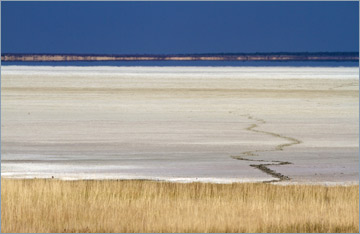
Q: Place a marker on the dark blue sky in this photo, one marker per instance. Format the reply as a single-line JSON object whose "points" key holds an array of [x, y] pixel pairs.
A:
{"points": [[178, 27]]}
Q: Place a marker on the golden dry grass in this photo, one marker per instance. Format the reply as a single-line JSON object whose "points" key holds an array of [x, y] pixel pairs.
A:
{"points": [[146, 206]]}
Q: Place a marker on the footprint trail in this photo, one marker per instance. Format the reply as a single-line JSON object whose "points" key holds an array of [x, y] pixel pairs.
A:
{"points": [[264, 167]]}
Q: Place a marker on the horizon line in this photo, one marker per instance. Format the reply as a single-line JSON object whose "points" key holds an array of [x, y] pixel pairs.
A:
{"points": [[240, 56], [197, 53]]}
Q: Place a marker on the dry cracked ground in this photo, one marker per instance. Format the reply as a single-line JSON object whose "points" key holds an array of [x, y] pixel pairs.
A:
{"points": [[224, 124]]}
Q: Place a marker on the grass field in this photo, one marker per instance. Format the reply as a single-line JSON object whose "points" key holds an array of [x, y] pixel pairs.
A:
{"points": [[39, 205]]}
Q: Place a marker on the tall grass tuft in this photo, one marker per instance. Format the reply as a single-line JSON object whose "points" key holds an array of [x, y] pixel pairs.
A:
{"points": [[41, 205]]}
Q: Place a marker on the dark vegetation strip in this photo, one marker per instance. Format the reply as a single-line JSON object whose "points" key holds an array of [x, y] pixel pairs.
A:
{"points": [[279, 56]]}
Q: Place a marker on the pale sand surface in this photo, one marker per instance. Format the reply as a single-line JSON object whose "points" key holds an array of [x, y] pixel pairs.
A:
{"points": [[180, 123]]}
